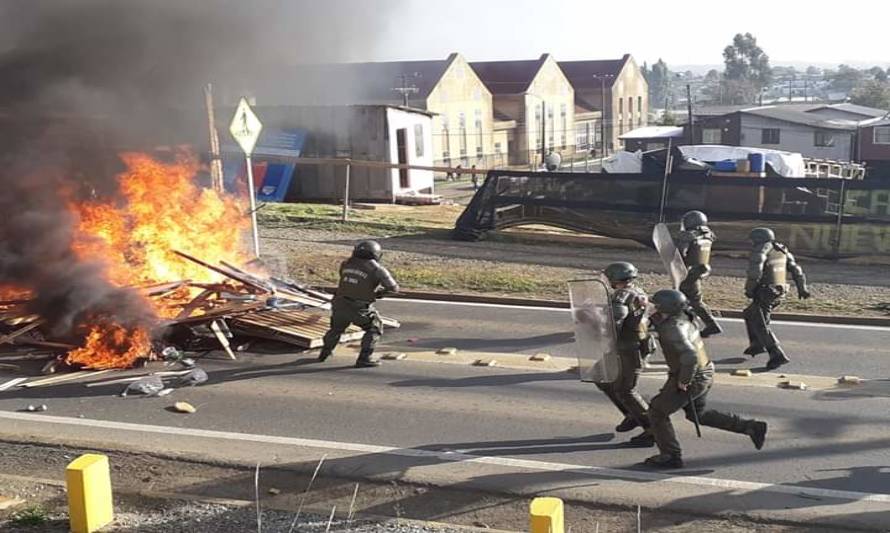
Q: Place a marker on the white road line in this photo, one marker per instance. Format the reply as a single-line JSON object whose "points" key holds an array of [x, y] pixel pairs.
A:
{"points": [[600, 472], [822, 325]]}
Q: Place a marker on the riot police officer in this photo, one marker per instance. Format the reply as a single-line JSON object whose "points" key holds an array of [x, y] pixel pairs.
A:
{"points": [[629, 312], [766, 286], [694, 243], [690, 377], [362, 281]]}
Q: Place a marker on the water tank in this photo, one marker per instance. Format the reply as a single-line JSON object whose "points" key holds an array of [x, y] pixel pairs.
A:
{"points": [[758, 162]]}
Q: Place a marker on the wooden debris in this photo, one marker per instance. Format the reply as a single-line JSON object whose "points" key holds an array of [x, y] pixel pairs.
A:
{"points": [[300, 328], [184, 407], [51, 366], [742, 372], [793, 385], [137, 378], [446, 351], [225, 272], [485, 362], [221, 337], [11, 383], [540, 357], [850, 380], [395, 356], [18, 333], [62, 378]]}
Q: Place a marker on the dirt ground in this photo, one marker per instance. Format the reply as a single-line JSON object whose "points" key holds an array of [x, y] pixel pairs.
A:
{"points": [[154, 493], [308, 242]]}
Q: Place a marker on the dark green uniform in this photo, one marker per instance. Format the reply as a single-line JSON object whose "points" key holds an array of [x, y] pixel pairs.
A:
{"points": [[629, 310], [767, 286], [688, 363], [360, 286], [695, 247]]}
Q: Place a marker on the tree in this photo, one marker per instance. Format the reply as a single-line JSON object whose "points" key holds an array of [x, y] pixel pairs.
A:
{"points": [[747, 69], [878, 73], [667, 118], [846, 78], [873, 93], [659, 79], [813, 71]]}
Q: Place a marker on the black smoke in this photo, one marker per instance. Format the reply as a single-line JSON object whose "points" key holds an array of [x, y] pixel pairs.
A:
{"points": [[82, 80]]}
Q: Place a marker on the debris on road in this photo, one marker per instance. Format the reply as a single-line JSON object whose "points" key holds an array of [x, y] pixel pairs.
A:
{"points": [[446, 351], [195, 376], [148, 385], [742, 372], [793, 385], [850, 380], [395, 356], [184, 407], [274, 492], [36, 408], [11, 383], [485, 362]]}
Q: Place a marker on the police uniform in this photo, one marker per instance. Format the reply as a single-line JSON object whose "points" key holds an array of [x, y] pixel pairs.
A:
{"points": [[628, 310], [766, 286], [353, 303], [694, 244], [688, 364]]}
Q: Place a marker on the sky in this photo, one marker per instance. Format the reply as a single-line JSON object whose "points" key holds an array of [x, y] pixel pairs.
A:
{"points": [[682, 32]]}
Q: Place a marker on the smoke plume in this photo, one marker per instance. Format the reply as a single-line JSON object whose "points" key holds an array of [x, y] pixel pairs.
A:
{"points": [[82, 80]]}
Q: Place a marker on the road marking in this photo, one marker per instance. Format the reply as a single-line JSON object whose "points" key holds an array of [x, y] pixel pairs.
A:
{"points": [[449, 456], [565, 310]]}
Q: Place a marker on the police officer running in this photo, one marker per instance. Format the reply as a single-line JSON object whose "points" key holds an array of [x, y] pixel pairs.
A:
{"points": [[766, 286], [628, 311], [362, 281], [694, 243], [690, 377]]}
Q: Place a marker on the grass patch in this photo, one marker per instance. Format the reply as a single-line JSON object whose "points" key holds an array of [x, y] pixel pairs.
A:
{"points": [[32, 516], [384, 220]]}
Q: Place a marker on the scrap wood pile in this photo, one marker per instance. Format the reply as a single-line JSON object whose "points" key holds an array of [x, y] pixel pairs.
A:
{"points": [[203, 317]]}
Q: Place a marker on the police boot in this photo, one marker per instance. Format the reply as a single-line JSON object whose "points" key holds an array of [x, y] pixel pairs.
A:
{"points": [[711, 329], [777, 358], [627, 424], [366, 361], [643, 440], [754, 350], [757, 431], [325, 355], [664, 460]]}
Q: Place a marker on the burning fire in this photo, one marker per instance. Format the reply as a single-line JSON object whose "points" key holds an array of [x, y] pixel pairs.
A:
{"points": [[111, 346], [162, 209]]}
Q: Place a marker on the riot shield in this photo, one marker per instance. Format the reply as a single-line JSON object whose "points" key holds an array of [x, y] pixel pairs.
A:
{"points": [[670, 256], [595, 336]]}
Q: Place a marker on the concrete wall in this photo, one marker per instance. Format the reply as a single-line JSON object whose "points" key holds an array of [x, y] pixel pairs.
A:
{"points": [[795, 138], [460, 91]]}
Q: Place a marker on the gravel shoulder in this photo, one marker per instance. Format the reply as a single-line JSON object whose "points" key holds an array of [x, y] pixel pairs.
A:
{"points": [[199, 498], [531, 262]]}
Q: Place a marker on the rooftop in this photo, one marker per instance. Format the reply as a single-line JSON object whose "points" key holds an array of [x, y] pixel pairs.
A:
{"points": [[654, 132], [508, 77], [582, 73]]}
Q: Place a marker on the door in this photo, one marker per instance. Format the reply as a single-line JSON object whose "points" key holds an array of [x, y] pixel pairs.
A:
{"points": [[402, 144]]}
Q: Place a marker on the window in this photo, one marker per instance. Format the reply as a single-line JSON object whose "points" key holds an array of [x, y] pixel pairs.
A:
{"points": [[550, 126], [418, 140], [882, 134], [462, 136], [446, 138], [823, 138], [769, 136], [562, 140], [582, 136], [620, 106], [497, 148], [712, 136], [639, 104], [630, 107], [479, 150]]}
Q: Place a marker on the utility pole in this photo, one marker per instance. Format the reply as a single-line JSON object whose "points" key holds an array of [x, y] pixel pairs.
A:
{"points": [[691, 118], [216, 173], [404, 89]]}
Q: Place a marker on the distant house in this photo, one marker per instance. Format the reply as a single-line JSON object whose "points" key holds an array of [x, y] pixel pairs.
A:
{"points": [[534, 95], [847, 112], [874, 148], [379, 133], [780, 127], [615, 87], [463, 124]]}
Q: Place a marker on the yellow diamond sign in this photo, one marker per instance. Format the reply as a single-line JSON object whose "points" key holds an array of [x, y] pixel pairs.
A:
{"points": [[245, 127]]}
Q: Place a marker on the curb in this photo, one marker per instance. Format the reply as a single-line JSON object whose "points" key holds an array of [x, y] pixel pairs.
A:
{"points": [[558, 304]]}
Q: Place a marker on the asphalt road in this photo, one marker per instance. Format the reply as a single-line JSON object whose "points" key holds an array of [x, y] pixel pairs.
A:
{"points": [[833, 440]]}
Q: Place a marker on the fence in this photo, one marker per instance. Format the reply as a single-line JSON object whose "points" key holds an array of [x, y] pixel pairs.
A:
{"points": [[830, 218]]}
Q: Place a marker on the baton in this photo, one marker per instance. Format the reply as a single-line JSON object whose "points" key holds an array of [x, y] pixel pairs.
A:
{"points": [[694, 412]]}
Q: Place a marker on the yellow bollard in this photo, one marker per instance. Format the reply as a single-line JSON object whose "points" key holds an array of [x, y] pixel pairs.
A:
{"points": [[89, 493], [546, 516]]}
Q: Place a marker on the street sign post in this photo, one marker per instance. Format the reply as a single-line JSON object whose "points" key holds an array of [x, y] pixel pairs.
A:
{"points": [[245, 129]]}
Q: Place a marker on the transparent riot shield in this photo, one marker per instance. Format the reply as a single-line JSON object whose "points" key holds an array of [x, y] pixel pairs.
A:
{"points": [[595, 336], [670, 256]]}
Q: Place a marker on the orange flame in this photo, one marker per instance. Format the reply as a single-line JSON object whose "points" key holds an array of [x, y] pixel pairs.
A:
{"points": [[162, 209], [111, 346]]}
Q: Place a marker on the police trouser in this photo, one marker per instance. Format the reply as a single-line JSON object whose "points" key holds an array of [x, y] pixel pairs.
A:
{"points": [[691, 287], [757, 315], [671, 399], [623, 391], [344, 312]]}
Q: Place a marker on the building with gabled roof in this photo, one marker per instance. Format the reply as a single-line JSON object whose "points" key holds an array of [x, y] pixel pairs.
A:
{"points": [[536, 95], [617, 88]]}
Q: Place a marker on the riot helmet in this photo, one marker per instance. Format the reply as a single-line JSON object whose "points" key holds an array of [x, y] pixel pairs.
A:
{"points": [[692, 220], [368, 250], [621, 271], [669, 301], [762, 235]]}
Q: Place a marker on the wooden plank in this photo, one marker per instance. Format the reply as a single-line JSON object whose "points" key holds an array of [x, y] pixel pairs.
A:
{"points": [[18, 333], [158, 289], [138, 377], [46, 344], [221, 337], [62, 378], [11, 383], [228, 310], [225, 272], [197, 302]]}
